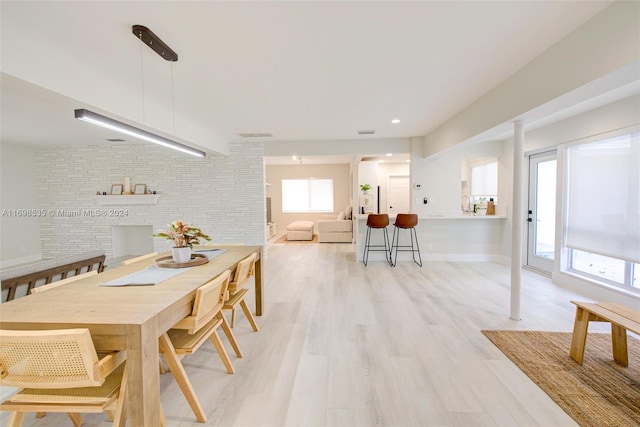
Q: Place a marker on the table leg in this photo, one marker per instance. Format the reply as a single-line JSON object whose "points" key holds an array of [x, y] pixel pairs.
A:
{"points": [[619, 341], [258, 284], [143, 383], [579, 338]]}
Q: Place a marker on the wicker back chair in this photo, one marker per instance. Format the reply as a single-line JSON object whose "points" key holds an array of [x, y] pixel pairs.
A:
{"points": [[62, 282], [194, 330], [238, 292], [59, 371], [139, 258]]}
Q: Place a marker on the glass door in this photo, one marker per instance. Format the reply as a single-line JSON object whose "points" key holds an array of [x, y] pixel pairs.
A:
{"points": [[542, 211]]}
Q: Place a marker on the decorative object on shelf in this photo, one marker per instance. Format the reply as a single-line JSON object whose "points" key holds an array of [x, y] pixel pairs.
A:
{"points": [[127, 185], [104, 193], [116, 189], [183, 237], [491, 207], [140, 189], [98, 193], [365, 188]]}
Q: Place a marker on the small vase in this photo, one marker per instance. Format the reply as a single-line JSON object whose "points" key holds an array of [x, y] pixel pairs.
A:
{"points": [[181, 255]]}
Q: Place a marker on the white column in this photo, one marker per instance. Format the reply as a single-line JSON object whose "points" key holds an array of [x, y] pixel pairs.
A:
{"points": [[517, 218]]}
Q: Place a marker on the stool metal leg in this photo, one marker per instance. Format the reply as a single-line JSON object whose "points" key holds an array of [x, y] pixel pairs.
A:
{"points": [[365, 256], [367, 245], [413, 251], [387, 247], [395, 244]]}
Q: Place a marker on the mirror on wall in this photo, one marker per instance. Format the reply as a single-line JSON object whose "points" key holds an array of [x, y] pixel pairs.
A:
{"points": [[479, 183]]}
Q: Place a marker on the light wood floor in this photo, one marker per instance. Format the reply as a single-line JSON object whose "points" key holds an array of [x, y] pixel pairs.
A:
{"points": [[347, 345]]}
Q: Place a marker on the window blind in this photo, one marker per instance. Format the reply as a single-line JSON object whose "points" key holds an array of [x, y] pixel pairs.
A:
{"points": [[484, 179], [603, 202], [307, 195]]}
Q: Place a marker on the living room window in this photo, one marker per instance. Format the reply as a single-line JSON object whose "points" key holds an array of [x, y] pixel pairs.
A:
{"points": [[307, 195]]}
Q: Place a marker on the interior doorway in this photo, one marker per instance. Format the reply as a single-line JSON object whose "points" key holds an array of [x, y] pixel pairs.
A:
{"points": [[541, 230], [398, 194]]}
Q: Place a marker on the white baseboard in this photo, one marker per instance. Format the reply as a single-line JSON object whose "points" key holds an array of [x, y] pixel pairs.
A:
{"points": [[20, 261], [466, 258], [406, 256]]}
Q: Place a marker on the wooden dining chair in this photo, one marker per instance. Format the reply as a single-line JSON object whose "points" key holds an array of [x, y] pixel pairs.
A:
{"points": [[62, 282], [193, 331], [59, 371], [238, 292], [139, 258]]}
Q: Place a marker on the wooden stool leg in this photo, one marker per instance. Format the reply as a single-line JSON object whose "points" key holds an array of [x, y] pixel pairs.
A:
{"points": [[181, 377], [16, 419], [233, 317], [247, 313], [40, 414], [230, 336], [579, 338], [619, 341], [76, 419]]}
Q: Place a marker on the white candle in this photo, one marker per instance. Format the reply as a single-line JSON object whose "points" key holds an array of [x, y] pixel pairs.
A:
{"points": [[127, 185]]}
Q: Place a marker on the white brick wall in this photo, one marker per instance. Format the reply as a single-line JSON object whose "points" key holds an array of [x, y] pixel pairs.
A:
{"points": [[225, 196]]}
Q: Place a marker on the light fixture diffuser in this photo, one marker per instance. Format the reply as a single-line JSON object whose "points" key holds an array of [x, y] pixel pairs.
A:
{"points": [[109, 123]]}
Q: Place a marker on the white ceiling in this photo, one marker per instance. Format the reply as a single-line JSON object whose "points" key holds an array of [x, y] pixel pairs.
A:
{"points": [[298, 70]]}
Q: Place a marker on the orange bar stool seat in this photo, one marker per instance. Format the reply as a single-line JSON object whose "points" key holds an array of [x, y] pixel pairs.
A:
{"points": [[377, 221], [406, 222]]}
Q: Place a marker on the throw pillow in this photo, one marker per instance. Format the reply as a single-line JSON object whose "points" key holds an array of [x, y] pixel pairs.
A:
{"points": [[347, 212], [341, 216]]}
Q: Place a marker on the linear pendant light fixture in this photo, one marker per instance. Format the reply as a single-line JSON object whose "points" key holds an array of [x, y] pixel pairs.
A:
{"points": [[147, 37], [109, 123]]}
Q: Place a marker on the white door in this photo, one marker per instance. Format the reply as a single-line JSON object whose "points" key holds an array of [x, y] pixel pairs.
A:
{"points": [[398, 194], [542, 211]]}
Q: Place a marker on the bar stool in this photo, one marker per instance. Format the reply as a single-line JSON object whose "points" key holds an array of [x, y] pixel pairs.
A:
{"points": [[378, 221], [407, 222]]}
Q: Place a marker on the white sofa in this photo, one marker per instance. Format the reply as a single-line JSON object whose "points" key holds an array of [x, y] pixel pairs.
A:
{"points": [[337, 229]]}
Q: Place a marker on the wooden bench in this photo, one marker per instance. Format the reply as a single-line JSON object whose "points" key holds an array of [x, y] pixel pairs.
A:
{"points": [[621, 318], [19, 281]]}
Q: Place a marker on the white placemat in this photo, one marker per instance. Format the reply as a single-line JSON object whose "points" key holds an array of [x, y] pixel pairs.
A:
{"points": [[153, 275]]}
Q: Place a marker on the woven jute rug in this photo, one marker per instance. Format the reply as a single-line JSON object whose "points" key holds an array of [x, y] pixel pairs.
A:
{"points": [[600, 392], [283, 239]]}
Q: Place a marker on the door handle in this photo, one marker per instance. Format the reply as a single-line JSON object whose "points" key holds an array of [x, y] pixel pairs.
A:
{"points": [[529, 220]]}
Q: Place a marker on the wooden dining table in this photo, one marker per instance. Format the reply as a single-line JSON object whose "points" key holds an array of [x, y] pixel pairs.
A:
{"points": [[128, 318]]}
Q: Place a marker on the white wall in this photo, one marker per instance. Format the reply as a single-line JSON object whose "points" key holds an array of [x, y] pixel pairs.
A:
{"points": [[222, 195], [20, 234], [368, 174], [440, 178], [363, 146], [340, 173]]}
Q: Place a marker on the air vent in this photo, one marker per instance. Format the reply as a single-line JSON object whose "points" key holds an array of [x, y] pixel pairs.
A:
{"points": [[115, 140], [256, 135], [366, 132]]}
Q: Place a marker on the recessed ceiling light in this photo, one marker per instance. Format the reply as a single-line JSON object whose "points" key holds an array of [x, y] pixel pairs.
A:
{"points": [[408, 161], [395, 121], [293, 157], [389, 154], [380, 161]]}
